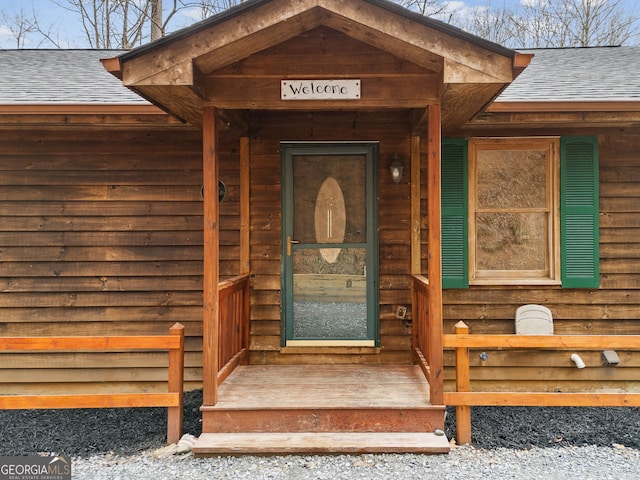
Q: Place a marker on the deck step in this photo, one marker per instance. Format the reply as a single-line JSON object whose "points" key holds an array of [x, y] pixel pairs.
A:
{"points": [[323, 399], [210, 444], [317, 420]]}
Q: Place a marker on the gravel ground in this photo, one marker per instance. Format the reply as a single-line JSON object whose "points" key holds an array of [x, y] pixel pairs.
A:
{"points": [[463, 463], [508, 442]]}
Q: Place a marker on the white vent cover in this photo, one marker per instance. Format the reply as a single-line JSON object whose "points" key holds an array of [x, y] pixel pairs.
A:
{"points": [[534, 320]]}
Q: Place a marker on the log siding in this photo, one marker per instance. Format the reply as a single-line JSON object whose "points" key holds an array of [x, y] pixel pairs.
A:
{"points": [[610, 310], [101, 234]]}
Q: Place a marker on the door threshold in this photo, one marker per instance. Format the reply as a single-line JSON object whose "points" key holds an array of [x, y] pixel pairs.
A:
{"points": [[330, 350], [331, 343]]}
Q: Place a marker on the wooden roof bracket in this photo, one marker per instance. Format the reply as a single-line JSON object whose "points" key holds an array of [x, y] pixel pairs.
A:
{"points": [[520, 62], [112, 65]]}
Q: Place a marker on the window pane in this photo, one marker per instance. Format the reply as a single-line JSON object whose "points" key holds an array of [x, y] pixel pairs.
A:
{"points": [[329, 299], [512, 179], [511, 241], [312, 209]]}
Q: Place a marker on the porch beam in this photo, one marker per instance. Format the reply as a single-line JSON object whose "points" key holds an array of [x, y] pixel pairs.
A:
{"points": [[210, 340], [236, 120], [242, 92], [434, 254]]}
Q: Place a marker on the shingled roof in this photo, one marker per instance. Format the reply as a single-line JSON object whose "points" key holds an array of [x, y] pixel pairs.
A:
{"points": [[69, 77], [76, 77], [597, 74]]}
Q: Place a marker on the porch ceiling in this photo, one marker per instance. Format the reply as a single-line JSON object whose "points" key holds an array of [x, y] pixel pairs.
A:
{"points": [[179, 73]]}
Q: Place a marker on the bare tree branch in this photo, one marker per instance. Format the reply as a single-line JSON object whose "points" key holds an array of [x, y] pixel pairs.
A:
{"points": [[491, 23], [424, 7], [45, 33], [552, 23], [527, 23], [205, 8], [19, 25], [575, 23], [110, 23]]}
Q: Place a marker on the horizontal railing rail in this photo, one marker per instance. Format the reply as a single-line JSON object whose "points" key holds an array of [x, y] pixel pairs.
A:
{"points": [[173, 399], [463, 398]]}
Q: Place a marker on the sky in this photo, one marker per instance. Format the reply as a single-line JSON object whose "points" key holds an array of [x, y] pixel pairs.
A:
{"points": [[62, 23], [68, 32]]}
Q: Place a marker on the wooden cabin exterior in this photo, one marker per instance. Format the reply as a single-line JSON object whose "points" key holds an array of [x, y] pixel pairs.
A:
{"points": [[111, 224], [101, 224], [565, 94]]}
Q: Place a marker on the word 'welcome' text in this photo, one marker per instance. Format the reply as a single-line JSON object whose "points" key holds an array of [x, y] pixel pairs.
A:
{"points": [[320, 89]]}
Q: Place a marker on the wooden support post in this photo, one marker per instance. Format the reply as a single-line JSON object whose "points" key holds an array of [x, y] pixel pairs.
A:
{"points": [[434, 251], [176, 385], [416, 240], [245, 251], [244, 206], [463, 384], [211, 307]]}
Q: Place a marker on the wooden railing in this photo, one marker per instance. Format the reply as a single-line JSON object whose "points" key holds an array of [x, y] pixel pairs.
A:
{"points": [[233, 348], [464, 399], [427, 354], [174, 342]]}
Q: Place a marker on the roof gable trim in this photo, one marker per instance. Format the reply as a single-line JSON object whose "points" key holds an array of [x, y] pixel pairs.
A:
{"points": [[231, 38], [241, 8]]}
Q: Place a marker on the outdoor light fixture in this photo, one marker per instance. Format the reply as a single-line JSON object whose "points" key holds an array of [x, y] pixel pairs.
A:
{"points": [[396, 168], [222, 191]]}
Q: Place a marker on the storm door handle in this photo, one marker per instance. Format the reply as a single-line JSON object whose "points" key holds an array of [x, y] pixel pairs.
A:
{"points": [[290, 242]]}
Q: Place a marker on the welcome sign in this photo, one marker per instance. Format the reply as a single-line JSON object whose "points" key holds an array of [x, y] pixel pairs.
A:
{"points": [[320, 89]]}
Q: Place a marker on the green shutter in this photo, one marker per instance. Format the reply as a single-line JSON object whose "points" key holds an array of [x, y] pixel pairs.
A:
{"points": [[455, 264], [579, 204]]}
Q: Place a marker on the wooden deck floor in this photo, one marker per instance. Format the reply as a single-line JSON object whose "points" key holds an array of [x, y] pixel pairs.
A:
{"points": [[325, 386], [322, 408]]}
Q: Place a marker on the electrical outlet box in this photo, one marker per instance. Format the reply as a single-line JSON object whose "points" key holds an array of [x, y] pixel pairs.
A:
{"points": [[401, 312]]}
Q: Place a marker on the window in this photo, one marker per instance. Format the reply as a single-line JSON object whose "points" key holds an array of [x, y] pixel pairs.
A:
{"points": [[513, 211], [520, 211]]}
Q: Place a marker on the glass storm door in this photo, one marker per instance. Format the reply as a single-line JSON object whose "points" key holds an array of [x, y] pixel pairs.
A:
{"points": [[330, 244]]}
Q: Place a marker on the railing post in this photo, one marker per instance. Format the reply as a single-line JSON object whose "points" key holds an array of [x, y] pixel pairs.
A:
{"points": [[246, 305], [415, 320], [463, 384], [176, 385]]}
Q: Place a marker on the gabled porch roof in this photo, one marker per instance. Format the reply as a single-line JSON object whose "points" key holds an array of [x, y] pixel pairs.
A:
{"points": [[176, 72]]}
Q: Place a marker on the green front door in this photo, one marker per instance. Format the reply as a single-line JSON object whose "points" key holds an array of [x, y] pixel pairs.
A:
{"points": [[330, 244]]}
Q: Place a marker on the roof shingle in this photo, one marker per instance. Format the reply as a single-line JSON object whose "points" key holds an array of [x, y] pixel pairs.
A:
{"points": [[593, 74], [69, 77], [76, 77]]}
